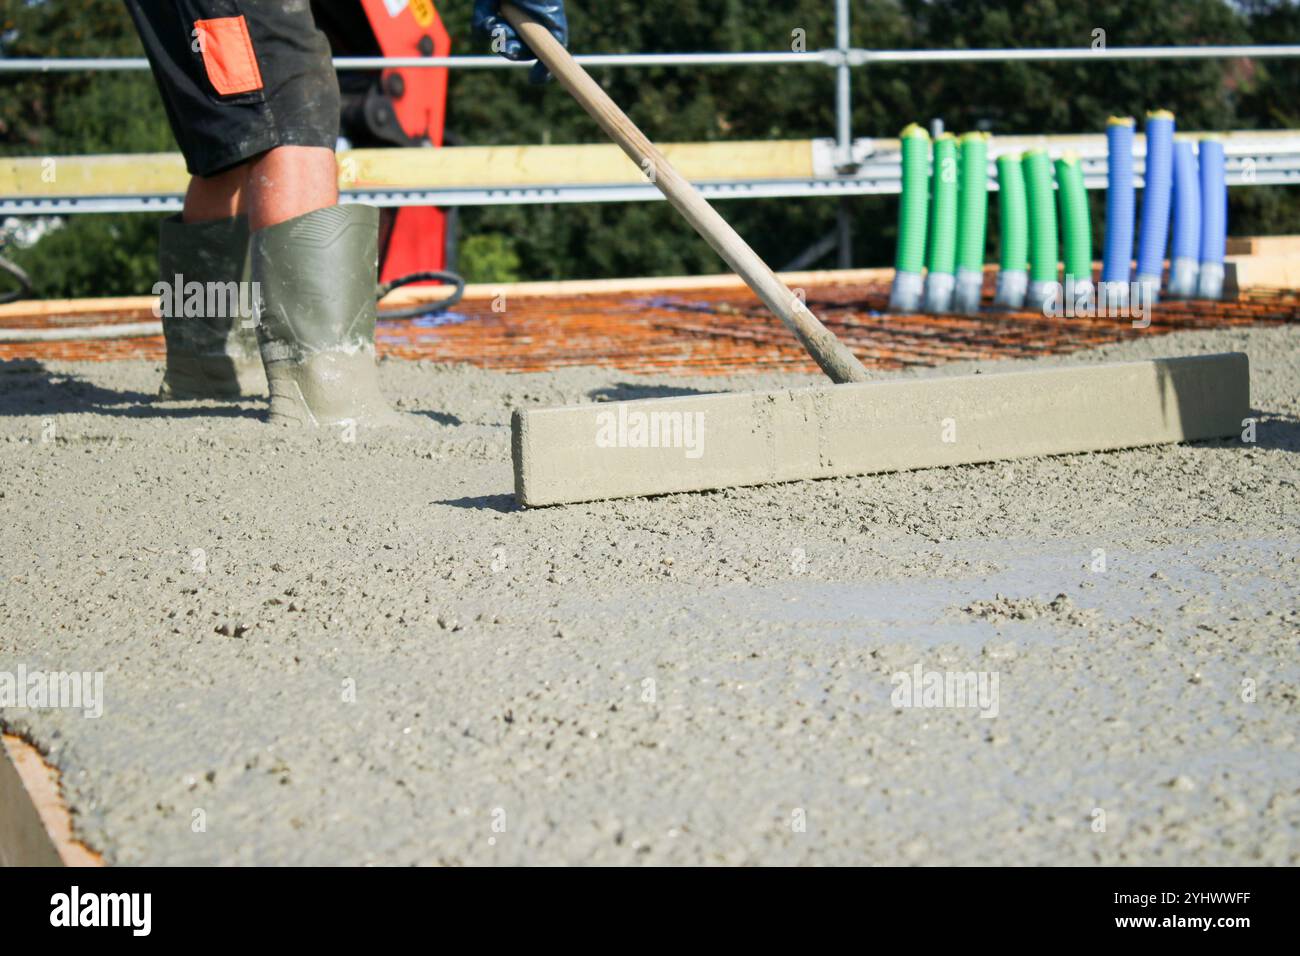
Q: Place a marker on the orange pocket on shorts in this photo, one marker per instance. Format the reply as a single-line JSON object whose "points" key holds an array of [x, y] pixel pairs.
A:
{"points": [[228, 55]]}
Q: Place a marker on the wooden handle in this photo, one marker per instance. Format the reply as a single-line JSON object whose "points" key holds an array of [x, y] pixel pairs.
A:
{"points": [[828, 351]]}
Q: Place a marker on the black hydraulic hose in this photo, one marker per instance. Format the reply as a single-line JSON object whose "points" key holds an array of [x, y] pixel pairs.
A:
{"points": [[415, 311]]}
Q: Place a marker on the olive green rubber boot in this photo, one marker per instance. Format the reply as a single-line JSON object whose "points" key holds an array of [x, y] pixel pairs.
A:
{"points": [[207, 311], [317, 277]]}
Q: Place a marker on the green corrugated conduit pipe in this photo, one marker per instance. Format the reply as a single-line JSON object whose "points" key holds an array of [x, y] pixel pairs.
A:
{"points": [[972, 222], [1076, 228], [1013, 270], [1043, 286], [913, 208], [944, 172]]}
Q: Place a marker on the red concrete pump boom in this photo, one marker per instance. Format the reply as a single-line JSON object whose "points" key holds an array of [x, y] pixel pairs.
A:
{"points": [[395, 107]]}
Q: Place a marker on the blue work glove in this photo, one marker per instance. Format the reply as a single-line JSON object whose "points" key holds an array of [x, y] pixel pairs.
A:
{"points": [[505, 40]]}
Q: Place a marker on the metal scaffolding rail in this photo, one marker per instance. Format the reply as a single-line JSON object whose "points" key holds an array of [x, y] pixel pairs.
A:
{"points": [[846, 166], [834, 57], [417, 177], [844, 58]]}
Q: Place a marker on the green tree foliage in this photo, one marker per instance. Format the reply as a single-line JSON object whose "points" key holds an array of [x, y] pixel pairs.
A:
{"points": [[88, 113], [489, 257], [81, 113], [1268, 95]]}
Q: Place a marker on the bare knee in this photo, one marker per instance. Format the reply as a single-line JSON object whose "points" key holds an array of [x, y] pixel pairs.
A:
{"points": [[290, 181], [216, 197]]}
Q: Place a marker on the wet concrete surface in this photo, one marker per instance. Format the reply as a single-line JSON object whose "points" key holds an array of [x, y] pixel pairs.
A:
{"points": [[328, 651]]}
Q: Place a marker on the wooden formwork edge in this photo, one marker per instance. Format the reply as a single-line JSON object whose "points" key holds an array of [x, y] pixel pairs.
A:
{"points": [[35, 825]]}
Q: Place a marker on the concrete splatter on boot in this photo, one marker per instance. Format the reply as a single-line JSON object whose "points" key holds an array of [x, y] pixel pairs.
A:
{"points": [[207, 311], [317, 277]]}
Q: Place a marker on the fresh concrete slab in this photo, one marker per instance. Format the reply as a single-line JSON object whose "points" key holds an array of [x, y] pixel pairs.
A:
{"points": [[328, 652], [697, 442]]}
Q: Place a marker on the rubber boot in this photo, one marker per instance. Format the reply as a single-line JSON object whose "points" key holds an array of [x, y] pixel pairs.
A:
{"points": [[317, 275], [212, 349]]}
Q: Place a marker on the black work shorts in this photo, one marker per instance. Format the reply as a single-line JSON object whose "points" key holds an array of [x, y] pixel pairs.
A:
{"points": [[239, 77]]}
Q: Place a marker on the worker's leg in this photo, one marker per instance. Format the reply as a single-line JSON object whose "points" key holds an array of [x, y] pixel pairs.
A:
{"points": [[274, 186], [315, 263], [290, 181], [256, 97], [212, 349], [277, 185], [208, 310], [211, 340], [216, 197]]}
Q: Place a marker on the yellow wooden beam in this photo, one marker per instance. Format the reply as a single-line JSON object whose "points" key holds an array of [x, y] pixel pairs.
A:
{"points": [[1261, 272], [493, 167], [1264, 246], [454, 167], [595, 164], [120, 175]]}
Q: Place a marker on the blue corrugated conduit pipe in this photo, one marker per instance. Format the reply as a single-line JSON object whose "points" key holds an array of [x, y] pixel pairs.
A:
{"points": [[1153, 237], [1117, 259], [1185, 259], [1214, 219]]}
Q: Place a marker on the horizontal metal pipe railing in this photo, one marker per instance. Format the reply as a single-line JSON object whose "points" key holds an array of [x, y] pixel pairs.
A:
{"points": [[122, 64], [863, 175], [832, 58], [868, 57]]}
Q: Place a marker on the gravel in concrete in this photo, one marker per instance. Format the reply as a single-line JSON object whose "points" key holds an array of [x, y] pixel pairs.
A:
{"points": [[335, 648]]}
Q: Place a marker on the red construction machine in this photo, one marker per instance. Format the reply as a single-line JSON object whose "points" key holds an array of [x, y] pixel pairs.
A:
{"points": [[397, 107]]}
